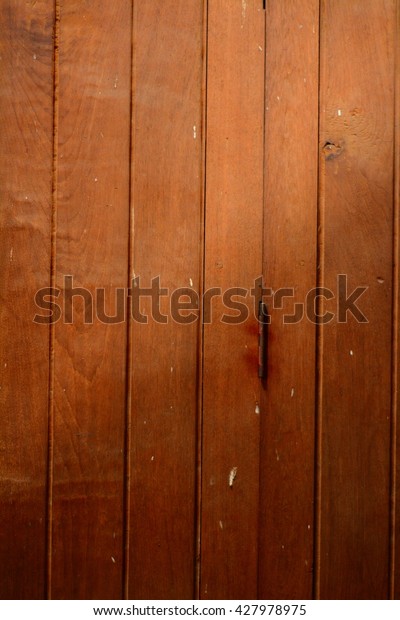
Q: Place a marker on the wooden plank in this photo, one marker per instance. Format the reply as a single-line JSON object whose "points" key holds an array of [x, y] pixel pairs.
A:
{"points": [[234, 209], [26, 120], [288, 400], [356, 219], [92, 246], [395, 524], [166, 222]]}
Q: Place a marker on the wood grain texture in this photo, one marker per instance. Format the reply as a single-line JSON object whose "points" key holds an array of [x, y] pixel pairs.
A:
{"points": [[166, 231], [288, 409], [92, 246], [26, 129], [234, 201], [356, 219]]}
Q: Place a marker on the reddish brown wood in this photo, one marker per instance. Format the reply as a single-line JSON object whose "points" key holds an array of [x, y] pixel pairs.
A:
{"points": [[234, 200], [26, 119], [288, 400], [356, 218], [92, 245], [166, 235], [395, 559]]}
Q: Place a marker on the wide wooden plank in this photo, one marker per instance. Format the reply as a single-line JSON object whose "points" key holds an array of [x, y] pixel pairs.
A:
{"points": [[288, 398], [26, 146], [166, 234], [234, 218], [92, 245], [356, 227]]}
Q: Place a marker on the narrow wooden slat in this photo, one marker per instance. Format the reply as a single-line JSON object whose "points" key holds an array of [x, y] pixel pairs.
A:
{"points": [[395, 566], [26, 129], [234, 206], [356, 217], [92, 246], [166, 223], [291, 181]]}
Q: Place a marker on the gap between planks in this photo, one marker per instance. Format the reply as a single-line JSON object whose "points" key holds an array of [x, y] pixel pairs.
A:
{"points": [[50, 457]]}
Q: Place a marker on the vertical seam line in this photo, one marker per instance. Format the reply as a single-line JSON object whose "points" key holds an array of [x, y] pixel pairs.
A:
{"points": [[50, 431], [129, 328]]}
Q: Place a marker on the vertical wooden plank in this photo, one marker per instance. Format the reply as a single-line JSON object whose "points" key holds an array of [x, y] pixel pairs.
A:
{"points": [[288, 400], [166, 222], [395, 564], [26, 121], [356, 223], [92, 246], [234, 207]]}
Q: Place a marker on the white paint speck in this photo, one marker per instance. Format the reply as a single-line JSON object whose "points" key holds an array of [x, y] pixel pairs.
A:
{"points": [[309, 527], [190, 281], [152, 458], [260, 48], [351, 353], [283, 546], [292, 393], [172, 369], [116, 81], [112, 559], [194, 132], [257, 409], [232, 476], [11, 255], [221, 525], [278, 98], [277, 455], [339, 112], [34, 57], [26, 197], [95, 179]]}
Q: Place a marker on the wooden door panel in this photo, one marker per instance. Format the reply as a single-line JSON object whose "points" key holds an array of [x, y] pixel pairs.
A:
{"points": [[233, 245], [288, 397], [166, 225], [26, 155], [354, 363], [93, 137]]}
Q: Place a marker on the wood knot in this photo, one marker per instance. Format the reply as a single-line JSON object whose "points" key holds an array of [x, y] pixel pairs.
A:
{"points": [[332, 150]]}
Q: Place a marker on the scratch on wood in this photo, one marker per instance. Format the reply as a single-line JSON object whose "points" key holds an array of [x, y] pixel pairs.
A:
{"points": [[232, 476]]}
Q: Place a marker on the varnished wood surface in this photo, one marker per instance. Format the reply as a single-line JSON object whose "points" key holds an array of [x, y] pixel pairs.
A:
{"points": [[180, 140], [92, 245], [166, 243], [288, 397], [233, 246], [26, 118], [356, 228]]}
